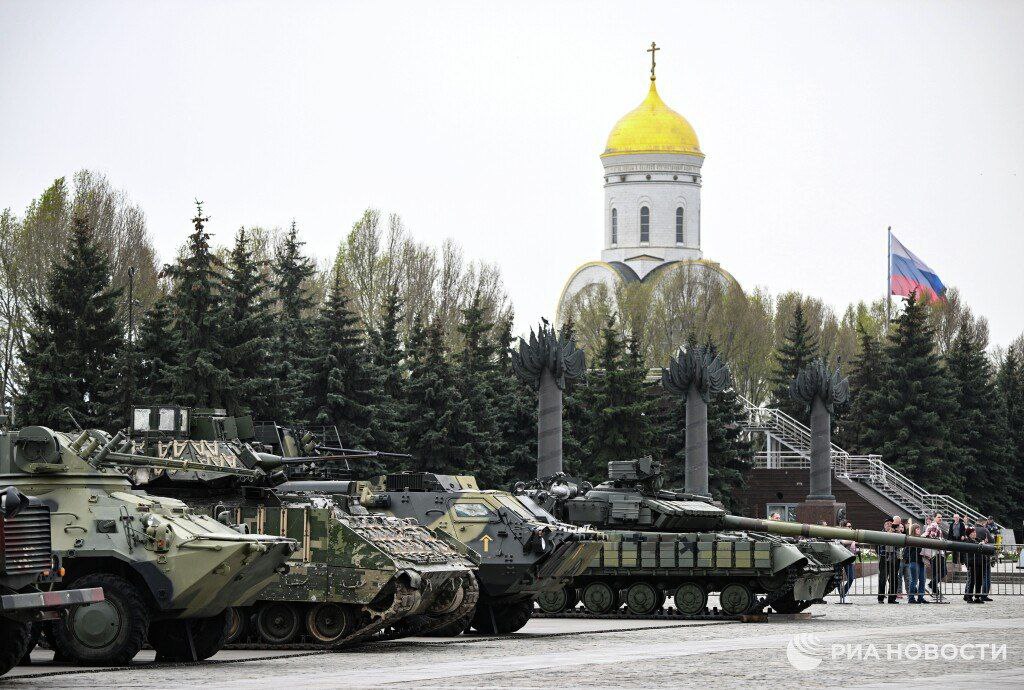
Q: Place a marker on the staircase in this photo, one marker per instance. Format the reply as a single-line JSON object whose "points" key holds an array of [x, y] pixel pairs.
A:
{"points": [[788, 446]]}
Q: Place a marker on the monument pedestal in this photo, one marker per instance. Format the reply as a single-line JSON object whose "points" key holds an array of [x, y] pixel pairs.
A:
{"points": [[816, 511]]}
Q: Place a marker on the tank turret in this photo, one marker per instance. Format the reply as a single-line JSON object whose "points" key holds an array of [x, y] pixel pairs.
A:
{"points": [[685, 545], [168, 574]]}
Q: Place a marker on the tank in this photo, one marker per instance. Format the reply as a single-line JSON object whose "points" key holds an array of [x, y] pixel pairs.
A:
{"points": [[524, 551], [355, 575], [667, 543], [28, 570], [168, 575]]}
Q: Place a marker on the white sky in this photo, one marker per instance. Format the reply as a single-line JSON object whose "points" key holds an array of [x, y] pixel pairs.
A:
{"points": [[822, 123]]}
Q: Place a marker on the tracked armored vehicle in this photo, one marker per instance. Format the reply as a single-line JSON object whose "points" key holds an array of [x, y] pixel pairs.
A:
{"points": [[667, 543], [355, 575], [28, 569], [168, 574], [524, 550]]}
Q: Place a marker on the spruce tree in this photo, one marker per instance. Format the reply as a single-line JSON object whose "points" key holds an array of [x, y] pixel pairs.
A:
{"points": [[909, 417], [157, 355], [1010, 386], [619, 427], [293, 270], [476, 376], [70, 359], [439, 438], [199, 375], [516, 408], [865, 381], [798, 348], [390, 413], [337, 381], [979, 431], [247, 332]]}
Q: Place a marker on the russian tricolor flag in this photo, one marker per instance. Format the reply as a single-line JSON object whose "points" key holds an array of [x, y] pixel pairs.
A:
{"points": [[907, 273]]}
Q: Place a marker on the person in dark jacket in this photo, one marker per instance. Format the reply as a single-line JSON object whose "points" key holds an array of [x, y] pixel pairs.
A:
{"points": [[975, 570], [986, 537], [956, 531], [888, 569]]}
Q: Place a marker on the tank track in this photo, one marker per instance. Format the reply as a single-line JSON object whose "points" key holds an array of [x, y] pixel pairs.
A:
{"points": [[405, 601], [421, 624]]}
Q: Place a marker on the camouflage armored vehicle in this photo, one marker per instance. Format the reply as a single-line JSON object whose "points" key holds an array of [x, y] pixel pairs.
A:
{"points": [[666, 543], [524, 550], [168, 574], [27, 565], [354, 575]]}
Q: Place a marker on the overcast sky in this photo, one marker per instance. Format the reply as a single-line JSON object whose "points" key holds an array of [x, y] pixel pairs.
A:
{"points": [[822, 123]]}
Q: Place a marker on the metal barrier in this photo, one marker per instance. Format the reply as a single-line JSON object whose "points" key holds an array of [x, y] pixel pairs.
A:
{"points": [[901, 575]]}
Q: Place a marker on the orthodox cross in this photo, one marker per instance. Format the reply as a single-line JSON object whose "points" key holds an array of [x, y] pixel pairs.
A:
{"points": [[652, 50]]}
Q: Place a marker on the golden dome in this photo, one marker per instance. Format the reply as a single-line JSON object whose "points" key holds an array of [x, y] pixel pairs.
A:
{"points": [[652, 127]]}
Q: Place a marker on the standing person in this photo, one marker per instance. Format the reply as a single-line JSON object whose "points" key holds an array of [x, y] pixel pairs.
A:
{"points": [[899, 566], [956, 530], [937, 530], [916, 561], [887, 578], [848, 570], [985, 537], [975, 573]]}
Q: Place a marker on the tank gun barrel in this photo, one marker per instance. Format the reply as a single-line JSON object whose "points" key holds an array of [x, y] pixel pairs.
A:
{"points": [[865, 536], [356, 453]]}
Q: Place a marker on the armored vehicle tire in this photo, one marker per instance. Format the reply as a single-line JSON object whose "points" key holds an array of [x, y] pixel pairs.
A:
{"points": [[278, 622], [599, 597], [16, 637], [329, 622], [643, 598], [691, 598], [559, 600], [736, 598], [170, 639], [238, 625], [110, 632], [502, 619]]}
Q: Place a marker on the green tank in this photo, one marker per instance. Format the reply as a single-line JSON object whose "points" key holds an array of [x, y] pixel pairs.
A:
{"points": [[168, 575], [524, 551], [354, 575], [667, 543], [28, 571]]}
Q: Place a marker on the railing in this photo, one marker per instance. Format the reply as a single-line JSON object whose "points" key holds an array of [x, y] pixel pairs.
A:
{"points": [[888, 481]]}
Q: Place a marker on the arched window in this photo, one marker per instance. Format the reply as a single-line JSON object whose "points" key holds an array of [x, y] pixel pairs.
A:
{"points": [[615, 226], [645, 224], [680, 238]]}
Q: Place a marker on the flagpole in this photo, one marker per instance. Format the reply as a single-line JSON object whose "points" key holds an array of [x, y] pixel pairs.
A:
{"points": [[888, 281]]}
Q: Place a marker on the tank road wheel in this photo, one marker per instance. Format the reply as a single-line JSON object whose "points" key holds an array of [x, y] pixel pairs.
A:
{"points": [[600, 598], [238, 625], [452, 629], [328, 622], [736, 598], [691, 598], [110, 632], [559, 600], [16, 636], [278, 622], [171, 641], [502, 619], [642, 598]]}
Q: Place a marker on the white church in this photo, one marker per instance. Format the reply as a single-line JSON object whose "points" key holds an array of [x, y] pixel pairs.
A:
{"points": [[652, 179]]}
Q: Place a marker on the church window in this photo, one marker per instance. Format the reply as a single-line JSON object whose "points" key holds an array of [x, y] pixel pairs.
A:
{"points": [[679, 225], [615, 226], [645, 224]]}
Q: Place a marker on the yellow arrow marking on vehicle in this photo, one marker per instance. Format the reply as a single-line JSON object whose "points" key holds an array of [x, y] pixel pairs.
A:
{"points": [[486, 540]]}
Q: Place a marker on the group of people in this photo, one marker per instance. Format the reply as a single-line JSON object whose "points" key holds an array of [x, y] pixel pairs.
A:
{"points": [[907, 568]]}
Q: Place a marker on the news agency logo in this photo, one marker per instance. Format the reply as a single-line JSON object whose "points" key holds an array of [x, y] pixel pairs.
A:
{"points": [[806, 651]]}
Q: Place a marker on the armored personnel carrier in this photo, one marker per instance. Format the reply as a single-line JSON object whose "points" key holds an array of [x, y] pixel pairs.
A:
{"points": [[524, 550], [354, 575], [667, 543], [168, 575], [27, 566]]}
